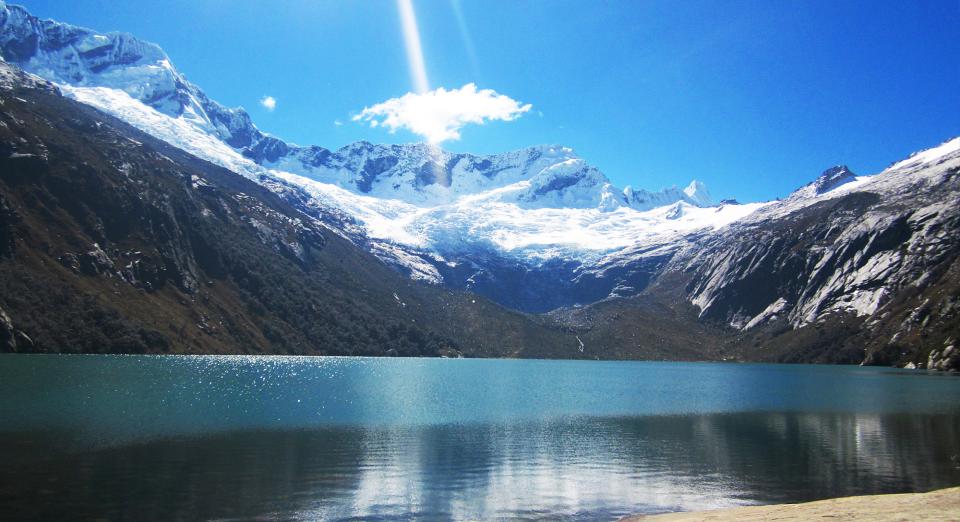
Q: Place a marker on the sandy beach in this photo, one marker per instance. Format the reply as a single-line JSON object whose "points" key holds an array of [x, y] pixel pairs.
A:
{"points": [[943, 504]]}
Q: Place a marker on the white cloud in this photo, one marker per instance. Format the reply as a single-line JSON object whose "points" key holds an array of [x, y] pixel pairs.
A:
{"points": [[268, 102], [338, 123], [438, 115]]}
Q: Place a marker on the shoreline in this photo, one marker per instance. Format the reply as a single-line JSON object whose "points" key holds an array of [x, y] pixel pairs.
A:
{"points": [[941, 504]]}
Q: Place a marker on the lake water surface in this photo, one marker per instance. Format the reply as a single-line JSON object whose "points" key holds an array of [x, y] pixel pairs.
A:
{"points": [[164, 437]]}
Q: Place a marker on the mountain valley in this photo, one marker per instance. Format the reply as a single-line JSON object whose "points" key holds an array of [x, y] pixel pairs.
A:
{"points": [[137, 215]]}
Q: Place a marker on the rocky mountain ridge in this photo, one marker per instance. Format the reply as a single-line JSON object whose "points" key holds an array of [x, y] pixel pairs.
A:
{"points": [[857, 269], [416, 173], [869, 274], [423, 210], [114, 242]]}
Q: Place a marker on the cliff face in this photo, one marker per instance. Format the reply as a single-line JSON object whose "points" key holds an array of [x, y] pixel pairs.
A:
{"points": [[864, 271], [869, 276]]}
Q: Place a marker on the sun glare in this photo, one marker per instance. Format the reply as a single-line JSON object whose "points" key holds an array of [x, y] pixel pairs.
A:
{"points": [[411, 40]]}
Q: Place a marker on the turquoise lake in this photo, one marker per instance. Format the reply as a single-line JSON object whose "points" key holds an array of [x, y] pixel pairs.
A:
{"points": [[237, 437]]}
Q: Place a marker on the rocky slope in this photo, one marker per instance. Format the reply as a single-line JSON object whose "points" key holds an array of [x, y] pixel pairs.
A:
{"points": [[856, 269], [425, 211], [112, 241], [847, 269]]}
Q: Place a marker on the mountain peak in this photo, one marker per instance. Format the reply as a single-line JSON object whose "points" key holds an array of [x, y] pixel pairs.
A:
{"points": [[695, 194], [698, 194], [416, 173], [833, 178], [68, 54]]}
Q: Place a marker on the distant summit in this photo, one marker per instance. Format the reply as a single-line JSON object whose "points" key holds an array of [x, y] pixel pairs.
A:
{"points": [[698, 194], [833, 178], [419, 174]]}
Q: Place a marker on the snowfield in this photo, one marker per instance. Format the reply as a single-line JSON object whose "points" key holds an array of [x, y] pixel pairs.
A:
{"points": [[416, 201], [518, 217], [539, 217], [541, 203]]}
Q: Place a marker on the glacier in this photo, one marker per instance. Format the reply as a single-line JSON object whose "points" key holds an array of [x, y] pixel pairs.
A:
{"points": [[532, 203], [519, 215]]}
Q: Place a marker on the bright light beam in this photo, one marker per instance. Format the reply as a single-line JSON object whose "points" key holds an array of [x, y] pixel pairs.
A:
{"points": [[465, 36], [418, 71], [411, 40]]}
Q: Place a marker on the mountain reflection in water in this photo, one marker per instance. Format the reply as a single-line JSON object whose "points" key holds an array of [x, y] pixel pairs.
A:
{"points": [[508, 465]]}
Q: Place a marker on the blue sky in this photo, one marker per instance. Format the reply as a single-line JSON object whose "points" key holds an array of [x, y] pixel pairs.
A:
{"points": [[754, 98]]}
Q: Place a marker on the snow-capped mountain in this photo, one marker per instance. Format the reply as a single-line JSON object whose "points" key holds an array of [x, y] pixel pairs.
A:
{"points": [[418, 173], [832, 178], [539, 229], [866, 272], [896, 227], [418, 207], [67, 54], [112, 241]]}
